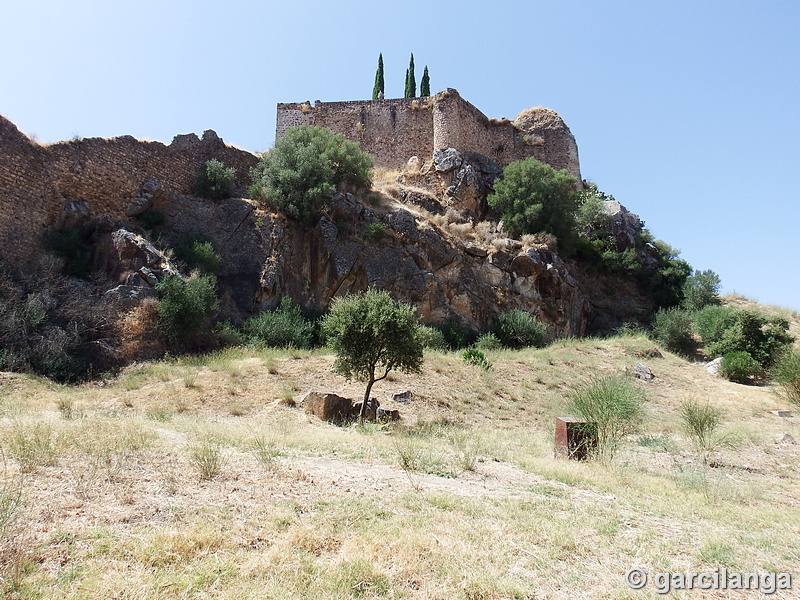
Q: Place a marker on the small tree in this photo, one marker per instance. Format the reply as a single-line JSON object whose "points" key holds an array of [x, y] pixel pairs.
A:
{"points": [[186, 305], [371, 332], [305, 168], [425, 84], [215, 181], [377, 90], [700, 290], [411, 82], [533, 197]]}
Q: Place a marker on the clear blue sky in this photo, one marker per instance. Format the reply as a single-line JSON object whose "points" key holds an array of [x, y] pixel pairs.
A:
{"points": [[686, 111]]}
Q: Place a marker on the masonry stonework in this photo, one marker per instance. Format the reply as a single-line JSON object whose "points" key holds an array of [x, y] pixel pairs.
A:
{"points": [[393, 131], [36, 181]]}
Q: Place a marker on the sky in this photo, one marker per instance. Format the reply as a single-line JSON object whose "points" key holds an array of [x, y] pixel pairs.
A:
{"points": [[687, 112]]}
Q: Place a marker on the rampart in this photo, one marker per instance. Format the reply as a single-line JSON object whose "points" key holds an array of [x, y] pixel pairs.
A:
{"points": [[394, 130], [36, 181]]}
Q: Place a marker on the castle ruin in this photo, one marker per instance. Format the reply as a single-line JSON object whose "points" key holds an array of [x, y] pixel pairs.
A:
{"points": [[393, 131]]}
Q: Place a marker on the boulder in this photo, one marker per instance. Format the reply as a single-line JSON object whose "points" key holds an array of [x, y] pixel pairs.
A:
{"points": [[403, 396], [327, 407], [371, 411], [623, 225], [714, 366], [785, 439], [643, 372]]}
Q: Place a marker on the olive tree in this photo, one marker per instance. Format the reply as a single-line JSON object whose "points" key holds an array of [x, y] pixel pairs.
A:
{"points": [[372, 334]]}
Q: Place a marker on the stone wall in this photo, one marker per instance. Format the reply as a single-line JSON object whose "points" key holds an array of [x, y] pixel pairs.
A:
{"points": [[37, 181], [392, 131]]}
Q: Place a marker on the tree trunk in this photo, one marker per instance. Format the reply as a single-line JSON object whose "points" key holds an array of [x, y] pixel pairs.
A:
{"points": [[363, 410]]}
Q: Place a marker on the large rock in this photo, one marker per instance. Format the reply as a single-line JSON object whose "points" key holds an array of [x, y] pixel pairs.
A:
{"points": [[131, 259], [463, 180], [328, 407], [623, 225]]}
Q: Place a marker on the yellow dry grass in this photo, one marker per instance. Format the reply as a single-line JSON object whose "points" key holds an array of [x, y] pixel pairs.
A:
{"points": [[463, 499]]}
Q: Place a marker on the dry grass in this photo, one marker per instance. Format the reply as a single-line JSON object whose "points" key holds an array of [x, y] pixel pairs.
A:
{"points": [[463, 499]]}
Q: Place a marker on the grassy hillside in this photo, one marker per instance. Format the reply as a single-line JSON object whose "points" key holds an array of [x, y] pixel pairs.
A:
{"points": [[463, 499]]}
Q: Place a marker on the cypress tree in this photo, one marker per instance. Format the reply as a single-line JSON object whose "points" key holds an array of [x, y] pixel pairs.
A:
{"points": [[405, 89], [411, 82], [378, 89], [425, 84]]}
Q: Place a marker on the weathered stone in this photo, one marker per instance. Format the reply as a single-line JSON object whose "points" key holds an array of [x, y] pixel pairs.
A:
{"points": [[643, 372], [413, 165], [130, 295], [786, 414], [76, 214], [327, 407], [137, 206], [714, 366], [386, 416], [785, 439], [123, 252], [446, 160], [473, 250], [623, 225], [370, 412], [403, 396]]}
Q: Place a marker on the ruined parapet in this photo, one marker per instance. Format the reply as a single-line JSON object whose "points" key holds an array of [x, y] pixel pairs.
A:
{"points": [[551, 139]]}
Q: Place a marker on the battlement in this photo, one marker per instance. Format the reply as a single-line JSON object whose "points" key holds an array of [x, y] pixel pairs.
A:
{"points": [[394, 130]]}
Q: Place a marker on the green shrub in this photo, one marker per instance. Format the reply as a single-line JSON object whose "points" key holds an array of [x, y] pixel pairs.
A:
{"points": [[532, 196], [700, 421], [763, 338], [283, 327], [199, 254], [306, 166], [215, 180], [186, 306], [786, 374], [476, 358], [488, 341], [456, 336], [672, 328], [711, 321], [740, 367], [374, 232], [151, 219], [519, 329], [70, 245], [700, 289], [431, 337], [612, 408]]}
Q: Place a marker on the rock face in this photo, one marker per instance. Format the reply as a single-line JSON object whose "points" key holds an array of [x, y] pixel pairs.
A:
{"points": [[623, 225]]}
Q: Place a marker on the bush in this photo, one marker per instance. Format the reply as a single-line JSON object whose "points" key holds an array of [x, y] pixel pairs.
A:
{"points": [[374, 232], [199, 254], [519, 329], [700, 290], [740, 367], [151, 219], [700, 421], [186, 306], [456, 336], [612, 407], [532, 196], [786, 373], [53, 325], [763, 338], [306, 166], [672, 328], [69, 245], [711, 321], [215, 181], [488, 341], [476, 358], [431, 337], [284, 327]]}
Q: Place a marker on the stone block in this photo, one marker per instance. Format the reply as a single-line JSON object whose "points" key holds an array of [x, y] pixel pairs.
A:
{"points": [[327, 407], [575, 438]]}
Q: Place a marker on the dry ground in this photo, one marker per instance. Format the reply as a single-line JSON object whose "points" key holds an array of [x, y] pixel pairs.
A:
{"points": [[463, 499]]}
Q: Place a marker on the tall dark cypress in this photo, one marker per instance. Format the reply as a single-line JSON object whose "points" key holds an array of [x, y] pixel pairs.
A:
{"points": [[377, 91], [411, 82], [425, 84]]}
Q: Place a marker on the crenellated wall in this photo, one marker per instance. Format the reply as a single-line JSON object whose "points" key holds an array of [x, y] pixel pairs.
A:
{"points": [[37, 181], [394, 130]]}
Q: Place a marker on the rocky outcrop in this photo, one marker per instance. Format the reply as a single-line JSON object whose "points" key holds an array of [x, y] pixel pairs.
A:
{"points": [[622, 224], [552, 141], [266, 257]]}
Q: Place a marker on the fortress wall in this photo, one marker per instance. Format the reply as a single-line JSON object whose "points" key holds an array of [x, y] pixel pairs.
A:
{"points": [[36, 181], [392, 131], [458, 124]]}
